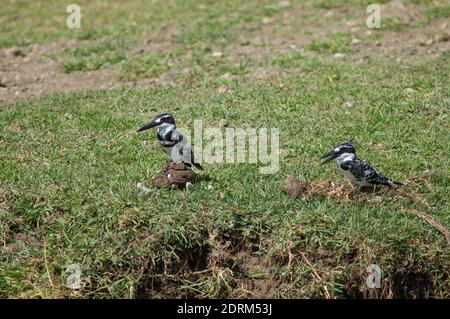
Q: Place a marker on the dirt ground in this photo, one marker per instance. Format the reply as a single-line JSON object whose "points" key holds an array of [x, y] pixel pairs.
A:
{"points": [[34, 70]]}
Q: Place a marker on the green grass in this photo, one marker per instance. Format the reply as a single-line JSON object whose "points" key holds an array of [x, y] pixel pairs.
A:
{"points": [[70, 168], [85, 57], [438, 11], [334, 43], [69, 164]]}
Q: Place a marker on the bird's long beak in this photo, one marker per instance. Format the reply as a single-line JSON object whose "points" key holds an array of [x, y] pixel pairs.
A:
{"points": [[331, 155], [148, 125]]}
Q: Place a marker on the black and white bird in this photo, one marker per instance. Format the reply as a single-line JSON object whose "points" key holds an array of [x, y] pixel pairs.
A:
{"points": [[357, 171], [171, 140]]}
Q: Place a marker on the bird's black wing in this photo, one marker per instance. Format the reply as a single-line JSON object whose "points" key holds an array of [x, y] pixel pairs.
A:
{"points": [[365, 172]]}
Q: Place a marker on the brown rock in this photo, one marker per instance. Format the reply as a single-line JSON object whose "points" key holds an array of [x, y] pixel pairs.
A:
{"points": [[174, 174]]}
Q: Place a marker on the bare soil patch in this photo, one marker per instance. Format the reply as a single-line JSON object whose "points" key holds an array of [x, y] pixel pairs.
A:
{"points": [[28, 72]]}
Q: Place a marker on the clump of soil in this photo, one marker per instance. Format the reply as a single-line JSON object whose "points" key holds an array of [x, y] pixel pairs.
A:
{"points": [[330, 190], [175, 175], [296, 187]]}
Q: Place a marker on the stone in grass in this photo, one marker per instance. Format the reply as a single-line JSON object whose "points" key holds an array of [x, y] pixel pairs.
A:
{"points": [[409, 91], [138, 50], [15, 52], [175, 175], [140, 186], [339, 56], [223, 123], [189, 186], [444, 37]]}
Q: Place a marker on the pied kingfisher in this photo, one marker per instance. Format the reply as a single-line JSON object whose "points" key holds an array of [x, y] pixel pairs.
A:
{"points": [[171, 140], [357, 171]]}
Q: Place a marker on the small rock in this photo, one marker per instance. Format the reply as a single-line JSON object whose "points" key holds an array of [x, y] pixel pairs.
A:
{"points": [[339, 56], [189, 186], [284, 4], [267, 20], [223, 89], [356, 41], [138, 50], [421, 42], [397, 4], [217, 54], [349, 103], [444, 37], [409, 91], [429, 42], [209, 187], [223, 123], [15, 52], [142, 188]]}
